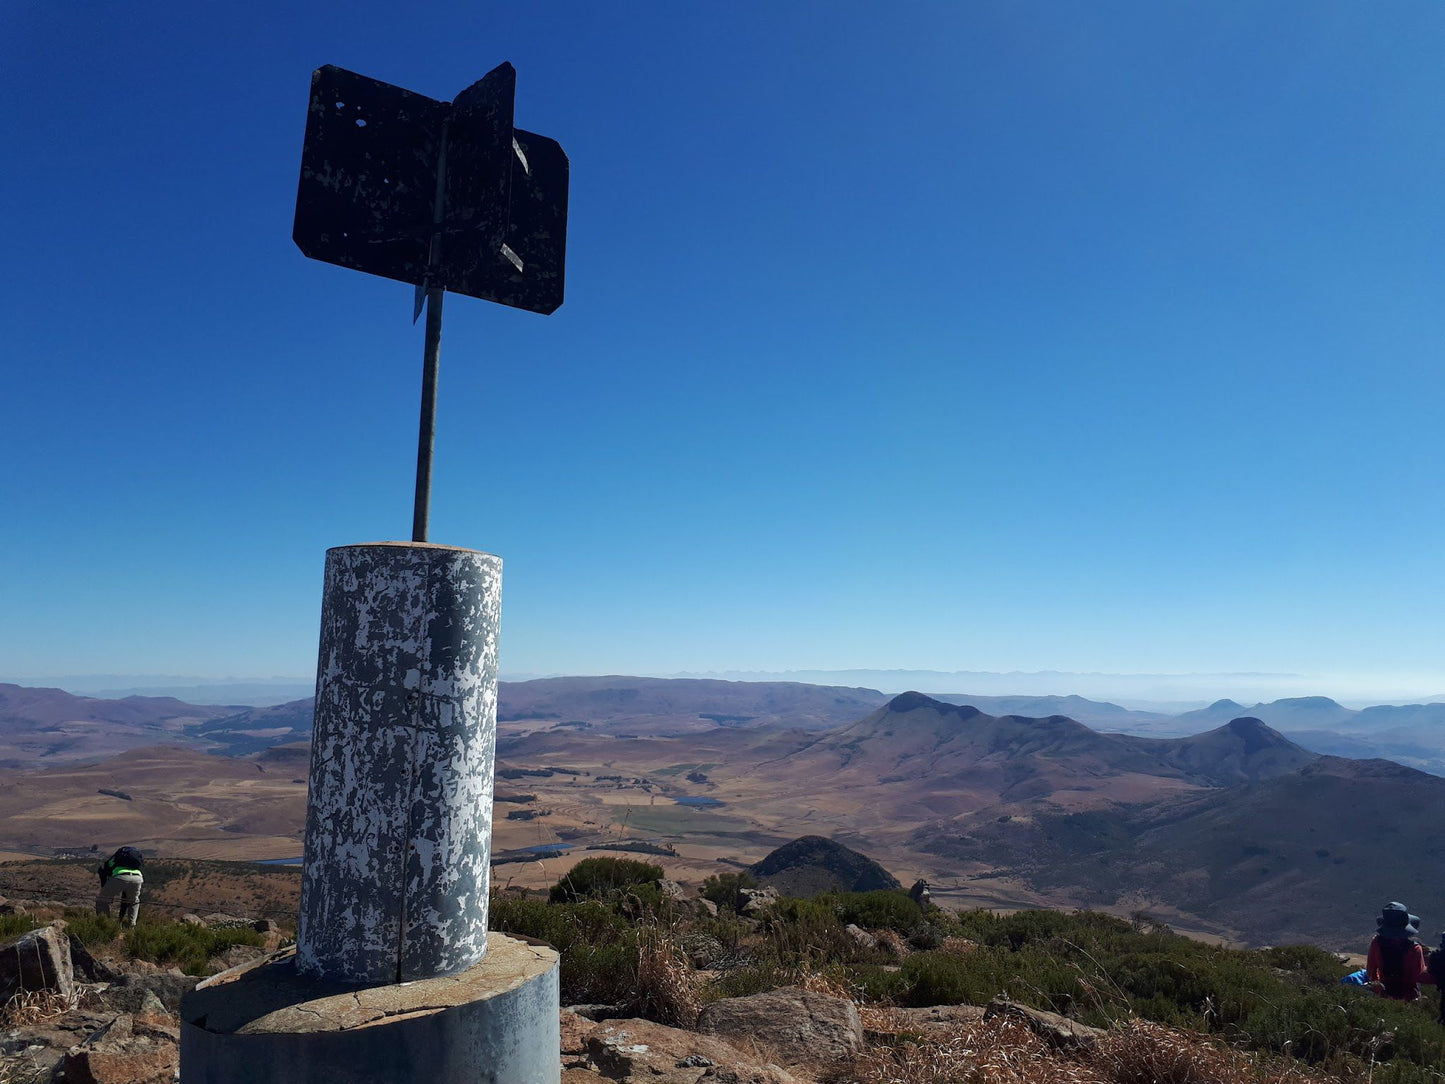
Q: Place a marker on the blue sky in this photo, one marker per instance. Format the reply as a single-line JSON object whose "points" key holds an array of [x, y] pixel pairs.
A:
{"points": [[975, 336]]}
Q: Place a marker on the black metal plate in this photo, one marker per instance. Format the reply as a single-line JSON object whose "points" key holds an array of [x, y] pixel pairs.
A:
{"points": [[479, 177], [367, 195], [536, 233], [368, 175]]}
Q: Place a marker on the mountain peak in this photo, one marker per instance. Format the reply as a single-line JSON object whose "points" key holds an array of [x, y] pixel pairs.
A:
{"points": [[1247, 724], [1256, 735], [911, 701]]}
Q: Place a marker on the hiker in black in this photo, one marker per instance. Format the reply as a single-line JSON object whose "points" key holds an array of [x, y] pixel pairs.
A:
{"points": [[121, 874], [1396, 962]]}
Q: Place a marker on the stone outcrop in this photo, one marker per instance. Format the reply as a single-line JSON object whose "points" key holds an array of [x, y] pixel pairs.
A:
{"points": [[36, 961], [1058, 1031], [168, 986], [753, 901], [639, 1050], [799, 1025], [86, 967], [935, 1023]]}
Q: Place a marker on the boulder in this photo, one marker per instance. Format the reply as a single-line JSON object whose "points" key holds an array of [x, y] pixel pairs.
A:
{"points": [[168, 986], [752, 901], [703, 950], [799, 1024], [132, 999], [156, 1023], [85, 966], [234, 956], [266, 925], [34, 961], [704, 908], [1058, 1031], [122, 1061], [861, 937], [220, 921], [598, 1011], [765, 1074], [639, 1050], [192, 920], [575, 1030], [937, 1023]]}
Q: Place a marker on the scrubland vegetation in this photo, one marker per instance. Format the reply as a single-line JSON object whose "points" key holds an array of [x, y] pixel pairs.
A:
{"points": [[628, 944], [157, 940]]}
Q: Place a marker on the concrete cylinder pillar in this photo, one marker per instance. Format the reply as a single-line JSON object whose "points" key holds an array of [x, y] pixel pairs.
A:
{"points": [[399, 811], [493, 1023]]}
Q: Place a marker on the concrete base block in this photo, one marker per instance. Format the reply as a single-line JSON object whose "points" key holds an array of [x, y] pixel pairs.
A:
{"points": [[494, 1023]]}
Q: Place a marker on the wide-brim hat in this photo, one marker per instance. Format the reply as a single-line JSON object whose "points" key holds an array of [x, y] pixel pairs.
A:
{"points": [[1396, 921]]}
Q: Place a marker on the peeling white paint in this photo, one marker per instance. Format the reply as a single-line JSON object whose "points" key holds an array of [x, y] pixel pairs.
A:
{"points": [[398, 827]]}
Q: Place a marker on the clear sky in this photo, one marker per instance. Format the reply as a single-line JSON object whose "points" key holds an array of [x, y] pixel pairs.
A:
{"points": [[996, 335]]}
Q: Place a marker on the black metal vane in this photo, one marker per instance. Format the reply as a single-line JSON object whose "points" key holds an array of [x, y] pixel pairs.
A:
{"points": [[444, 195]]}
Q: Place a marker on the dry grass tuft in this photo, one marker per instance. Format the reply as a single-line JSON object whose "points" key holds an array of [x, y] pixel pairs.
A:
{"points": [[1143, 1053], [884, 1019], [1005, 1051], [893, 942], [956, 946], [668, 989], [997, 1051], [31, 1007], [15, 1071], [818, 983]]}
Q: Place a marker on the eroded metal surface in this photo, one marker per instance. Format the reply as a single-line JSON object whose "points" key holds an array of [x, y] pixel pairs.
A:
{"points": [[398, 828]]}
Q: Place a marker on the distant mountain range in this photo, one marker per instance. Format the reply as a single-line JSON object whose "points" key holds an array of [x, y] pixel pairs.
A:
{"points": [[1162, 692], [51, 726], [1236, 828]]}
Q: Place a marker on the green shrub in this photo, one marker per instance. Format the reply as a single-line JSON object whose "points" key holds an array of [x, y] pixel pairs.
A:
{"points": [[723, 888], [90, 928], [14, 925], [879, 910], [806, 931], [1310, 962], [598, 946], [601, 877], [175, 944]]}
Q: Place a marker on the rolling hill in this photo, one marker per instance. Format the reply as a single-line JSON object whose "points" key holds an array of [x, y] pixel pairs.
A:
{"points": [[1309, 853]]}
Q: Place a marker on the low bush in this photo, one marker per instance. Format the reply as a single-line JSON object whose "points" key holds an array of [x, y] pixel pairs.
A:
{"points": [[14, 925], [602, 877], [90, 928], [175, 944], [170, 944], [598, 945], [723, 888], [879, 910]]}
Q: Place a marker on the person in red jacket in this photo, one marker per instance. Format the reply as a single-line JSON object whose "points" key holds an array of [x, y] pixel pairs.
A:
{"points": [[1395, 965]]}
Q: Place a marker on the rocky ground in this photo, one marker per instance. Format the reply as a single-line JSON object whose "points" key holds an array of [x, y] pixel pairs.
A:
{"points": [[80, 1018], [68, 1015]]}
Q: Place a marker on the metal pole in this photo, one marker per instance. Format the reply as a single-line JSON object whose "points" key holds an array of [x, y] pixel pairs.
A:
{"points": [[426, 438], [431, 358]]}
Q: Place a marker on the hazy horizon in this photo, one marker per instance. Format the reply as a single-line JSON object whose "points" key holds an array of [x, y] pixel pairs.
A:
{"points": [[1166, 693]]}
